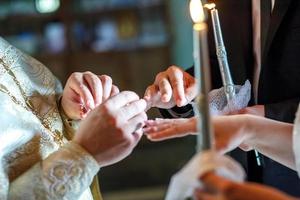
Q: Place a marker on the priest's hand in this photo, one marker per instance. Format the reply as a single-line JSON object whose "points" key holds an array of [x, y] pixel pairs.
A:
{"points": [[171, 87], [217, 187], [112, 130], [85, 91], [230, 132]]}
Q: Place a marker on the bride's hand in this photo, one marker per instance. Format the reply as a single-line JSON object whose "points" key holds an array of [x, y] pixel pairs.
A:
{"points": [[230, 132], [162, 129]]}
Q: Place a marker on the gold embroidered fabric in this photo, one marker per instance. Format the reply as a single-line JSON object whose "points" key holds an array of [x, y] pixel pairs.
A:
{"points": [[36, 160]]}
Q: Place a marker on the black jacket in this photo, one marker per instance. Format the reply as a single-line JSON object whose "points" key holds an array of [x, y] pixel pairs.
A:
{"points": [[279, 83]]}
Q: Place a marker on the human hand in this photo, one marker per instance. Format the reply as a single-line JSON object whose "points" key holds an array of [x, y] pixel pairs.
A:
{"points": [[258, 110], [163, 129], [171, 87], [112, 130], [85, 91], [216, 187], [230, 132]]}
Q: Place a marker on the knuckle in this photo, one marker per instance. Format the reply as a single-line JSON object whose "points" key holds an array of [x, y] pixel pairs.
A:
{"points": [[114, 121], [176, 83], [75, 74], [106, 108], [81, 86], [159, 76], [173, 69], [106, 78], [131, 93]]}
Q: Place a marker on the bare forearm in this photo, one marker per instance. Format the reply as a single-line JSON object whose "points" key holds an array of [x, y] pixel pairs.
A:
{"points": [[272, 138]]}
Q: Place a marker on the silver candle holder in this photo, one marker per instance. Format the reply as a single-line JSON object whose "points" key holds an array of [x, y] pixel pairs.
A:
{"points": [[228, 84]]}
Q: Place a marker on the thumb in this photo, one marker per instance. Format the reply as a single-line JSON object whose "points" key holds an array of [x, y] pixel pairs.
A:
{"points": [[149, 96], [191, 93]]}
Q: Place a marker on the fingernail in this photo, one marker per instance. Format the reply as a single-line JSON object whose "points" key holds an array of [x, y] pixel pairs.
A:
{"points": [[164, 98]]}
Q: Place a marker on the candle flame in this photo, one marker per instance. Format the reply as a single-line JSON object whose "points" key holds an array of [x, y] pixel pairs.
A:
{"points": [[210, 6], [196, 11]]}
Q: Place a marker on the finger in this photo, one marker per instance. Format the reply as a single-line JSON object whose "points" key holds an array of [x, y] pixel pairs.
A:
{"points": [[135, 124], [173, 131], [167, 134], [216, 182], [165, 90], [79, 86], [151, 96], [118, 101], [157, 125], [78, 111], [134, 108], [107, 86], [155, 129], [201, 195], [177, 83], [114, 91], [191, 90], [95, 86], [149, 92], [158, 122]]}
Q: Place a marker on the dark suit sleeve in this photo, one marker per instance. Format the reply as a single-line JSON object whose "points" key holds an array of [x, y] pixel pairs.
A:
{"points": [[178, 112], [283, 111]]}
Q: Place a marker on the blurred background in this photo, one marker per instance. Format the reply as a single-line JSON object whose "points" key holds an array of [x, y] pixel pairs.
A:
{"points": [[129, 40]]}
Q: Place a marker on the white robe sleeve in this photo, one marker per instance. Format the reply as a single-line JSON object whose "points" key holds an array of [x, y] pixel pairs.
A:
{"points": [[65, 174]]}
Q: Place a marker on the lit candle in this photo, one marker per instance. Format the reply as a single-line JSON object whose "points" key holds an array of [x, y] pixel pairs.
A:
{"points": [[202, 74], [221, 53]]}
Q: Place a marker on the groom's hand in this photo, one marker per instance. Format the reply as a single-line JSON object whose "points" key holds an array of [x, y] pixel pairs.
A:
{"points": [[258, 110], [171, 87], [85, 91]]}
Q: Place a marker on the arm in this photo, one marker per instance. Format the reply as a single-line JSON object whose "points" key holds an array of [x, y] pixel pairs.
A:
{"points": [[269, 137], [107, 135], [272, 138], [65, 174]]}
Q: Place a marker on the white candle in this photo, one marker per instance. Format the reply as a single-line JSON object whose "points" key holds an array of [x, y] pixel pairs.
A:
{"points": [[202, 74], [221, 53]]}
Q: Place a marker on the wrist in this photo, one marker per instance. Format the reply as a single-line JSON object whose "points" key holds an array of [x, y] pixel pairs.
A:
{"points": [[79, 142], [249, 129]]}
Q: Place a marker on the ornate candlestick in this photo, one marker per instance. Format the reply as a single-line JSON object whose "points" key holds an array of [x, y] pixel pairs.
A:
{"points": [[221, 53]]}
